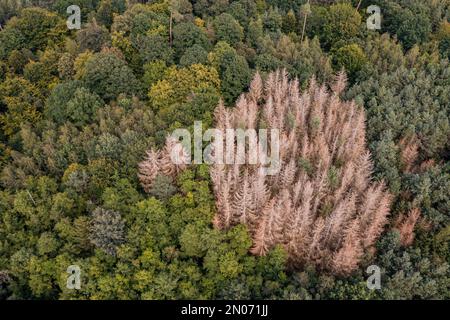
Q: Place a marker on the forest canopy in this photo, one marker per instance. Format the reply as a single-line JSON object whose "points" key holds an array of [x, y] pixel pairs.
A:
{"points": [[86, 178]]}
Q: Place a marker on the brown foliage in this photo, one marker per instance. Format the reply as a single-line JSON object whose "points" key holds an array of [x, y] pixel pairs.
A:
{"points": [[406, 225], [409, 153], [148, 169], [409, 156], [321, 206]]}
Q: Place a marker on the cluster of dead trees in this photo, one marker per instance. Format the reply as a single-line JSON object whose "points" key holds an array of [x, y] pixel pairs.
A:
{"points": [[322, 205], [169, 161]]}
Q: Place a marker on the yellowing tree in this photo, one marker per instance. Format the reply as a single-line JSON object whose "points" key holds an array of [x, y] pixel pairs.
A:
{"points": [[178, 84]]}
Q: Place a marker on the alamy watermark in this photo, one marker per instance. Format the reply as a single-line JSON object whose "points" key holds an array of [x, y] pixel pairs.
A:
{"points": [[229, 146], [374, 20], [374, 280]]}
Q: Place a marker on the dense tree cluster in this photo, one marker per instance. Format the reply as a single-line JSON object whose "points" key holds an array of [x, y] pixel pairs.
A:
{"points": [[325, 211], [85, 177]]}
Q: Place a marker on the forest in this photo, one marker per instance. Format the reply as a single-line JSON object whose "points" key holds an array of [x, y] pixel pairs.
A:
{"points": [[86, 177]]}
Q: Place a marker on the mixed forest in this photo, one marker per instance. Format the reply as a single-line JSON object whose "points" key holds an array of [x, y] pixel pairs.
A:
{"points": [[85, 171]]}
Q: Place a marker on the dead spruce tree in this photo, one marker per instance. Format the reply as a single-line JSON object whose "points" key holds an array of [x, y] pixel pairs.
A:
{"points": [[169, 161], [321, 206]]}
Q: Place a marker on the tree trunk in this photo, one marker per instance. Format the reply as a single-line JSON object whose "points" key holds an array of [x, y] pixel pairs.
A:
{"points": [[359, 4], [170, 28]]}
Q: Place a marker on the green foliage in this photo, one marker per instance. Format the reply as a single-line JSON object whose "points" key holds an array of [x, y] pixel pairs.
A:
{"points": [[32, 29], [410, 275], [185, 95], [227, 29], [86, 6], [384, 54], [340, 22], [18, 59], [400, 17], [154, 47], [233, 70], [107, 230], [255, 31], [351, 58], [3, 71], [409, 101], [431, 191], [186, 35], [290, 23], [242, 11], [210, 7], [443, 36], [153, 72], [82, 107], [194, 55], [22, 103], [43, 73], [107, 9], [9, 9], [272, 20]]}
